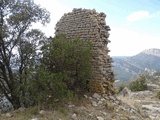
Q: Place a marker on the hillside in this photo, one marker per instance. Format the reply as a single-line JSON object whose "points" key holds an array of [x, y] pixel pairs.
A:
{"points": [[126, 105], [126, 67], [92, 107]]}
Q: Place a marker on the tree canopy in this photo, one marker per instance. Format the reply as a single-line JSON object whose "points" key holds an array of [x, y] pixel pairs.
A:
{"points": [[71, 56], [64, 70], [30, 63], [19, 45]]}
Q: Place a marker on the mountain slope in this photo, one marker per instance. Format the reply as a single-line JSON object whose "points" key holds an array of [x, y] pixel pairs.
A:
{"points": [[126, 67]]}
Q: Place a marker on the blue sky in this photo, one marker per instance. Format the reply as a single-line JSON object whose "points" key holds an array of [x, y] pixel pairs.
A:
{"points": [[135, 24]]}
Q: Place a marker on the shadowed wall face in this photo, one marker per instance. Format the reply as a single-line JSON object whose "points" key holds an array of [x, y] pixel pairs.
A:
{"points": [[91, 26]]}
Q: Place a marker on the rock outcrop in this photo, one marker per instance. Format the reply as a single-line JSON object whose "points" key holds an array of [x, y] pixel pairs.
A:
{"points": [[5, 105], [154, 51], [91, 26], [146, 102]]}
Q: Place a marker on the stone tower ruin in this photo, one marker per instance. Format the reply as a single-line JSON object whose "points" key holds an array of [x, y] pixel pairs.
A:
{"points": [[91, 26]]}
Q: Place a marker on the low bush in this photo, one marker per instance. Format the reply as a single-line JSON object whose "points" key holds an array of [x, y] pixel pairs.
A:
{"points": [[69, 56], [138, 85], [64, 71], [158, 95], [121, 87]]}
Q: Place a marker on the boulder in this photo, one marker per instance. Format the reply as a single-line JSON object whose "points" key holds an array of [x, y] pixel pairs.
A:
{"points": [[125, 92], [100, 118], [109, 106], [5, 105], [96, 96], [152, 86]]}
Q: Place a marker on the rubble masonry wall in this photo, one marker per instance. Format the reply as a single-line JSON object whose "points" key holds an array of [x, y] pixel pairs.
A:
{"points": [[91, 26]]}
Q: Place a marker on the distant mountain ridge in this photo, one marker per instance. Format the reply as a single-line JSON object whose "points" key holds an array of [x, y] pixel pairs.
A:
{"points": [[154, 51], [126, 67]]}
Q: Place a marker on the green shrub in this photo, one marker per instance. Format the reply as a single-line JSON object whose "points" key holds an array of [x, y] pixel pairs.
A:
{"points": [[121, 87], [48, 89], [70, 56], [65, 68], [158, 95], [139, 84]]}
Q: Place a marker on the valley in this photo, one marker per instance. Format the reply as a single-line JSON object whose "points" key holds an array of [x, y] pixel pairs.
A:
{"points": [[126, 67]]}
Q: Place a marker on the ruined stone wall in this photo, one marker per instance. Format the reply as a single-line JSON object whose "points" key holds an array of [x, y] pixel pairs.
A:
{"points": [[91, 26]]}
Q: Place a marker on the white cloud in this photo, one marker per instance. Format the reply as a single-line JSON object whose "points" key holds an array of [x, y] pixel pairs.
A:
{"points": [[138, 16], [123, 41], [127, 43]]}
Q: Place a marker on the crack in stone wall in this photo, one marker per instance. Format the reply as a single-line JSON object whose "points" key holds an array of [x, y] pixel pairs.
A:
{"points": [[91, 26]]}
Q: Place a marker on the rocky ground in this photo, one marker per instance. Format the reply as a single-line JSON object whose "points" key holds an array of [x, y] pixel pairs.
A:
{"points": [[126, 105], [145, 101]]}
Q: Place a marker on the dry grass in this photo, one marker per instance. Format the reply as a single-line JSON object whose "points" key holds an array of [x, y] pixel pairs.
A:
{"points": [[33, 112], [83, 110], [57, 111]]}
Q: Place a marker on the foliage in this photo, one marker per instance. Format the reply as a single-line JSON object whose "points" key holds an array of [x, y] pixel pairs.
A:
{"points": [[65, 67], [139, 84], [28, 77], [158, 95], [18, 47], [49, 86], [121, 87], [69, 56]]}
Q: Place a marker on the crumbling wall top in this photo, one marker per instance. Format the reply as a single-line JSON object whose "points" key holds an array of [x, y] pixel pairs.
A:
{"points": [[91, 26]]}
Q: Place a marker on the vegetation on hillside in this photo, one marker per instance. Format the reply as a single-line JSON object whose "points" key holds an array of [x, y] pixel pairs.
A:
{"points": [[64, 70], [158, 95], [71, 57], [18, 47], [33, 69], [139, 84]]}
